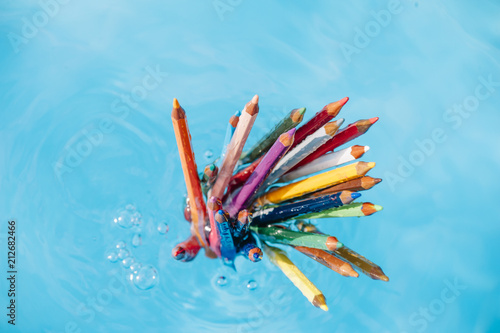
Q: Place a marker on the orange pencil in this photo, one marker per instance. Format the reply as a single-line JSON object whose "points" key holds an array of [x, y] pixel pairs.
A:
{"points": [[186, 154]]}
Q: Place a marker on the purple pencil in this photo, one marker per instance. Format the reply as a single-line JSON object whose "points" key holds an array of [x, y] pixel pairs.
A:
{"points": [[252, 185]]}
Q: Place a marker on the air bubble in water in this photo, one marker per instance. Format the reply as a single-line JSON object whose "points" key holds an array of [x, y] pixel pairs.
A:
{"points": [[162, 228], [128, 217], [123, 253], [222, 281], [137, 240], [252, 285], [127, 262], [112, 256], [146, 278], [135, 267], [121, 245], [209, 154]]}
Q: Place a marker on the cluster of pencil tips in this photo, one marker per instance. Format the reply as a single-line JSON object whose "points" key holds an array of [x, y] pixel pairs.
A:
{"points": [[244, 201]]}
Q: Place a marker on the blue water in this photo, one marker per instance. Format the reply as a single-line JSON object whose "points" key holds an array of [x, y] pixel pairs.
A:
{"points": [[76, 150]]}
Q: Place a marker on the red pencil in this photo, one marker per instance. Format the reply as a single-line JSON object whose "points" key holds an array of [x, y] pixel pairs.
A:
{"points": [[347, 134]]}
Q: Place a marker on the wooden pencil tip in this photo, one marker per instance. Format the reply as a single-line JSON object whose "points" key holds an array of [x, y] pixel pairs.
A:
{"points": [[334, 108], [319, 301], [377, 180], [343, 101], [371, 165], [373, 120], [332, 127], [368, 208], [301, 111], [176, 103], [286, 139], [357, 151], [384, 278], [324, 307], [297, 115]]}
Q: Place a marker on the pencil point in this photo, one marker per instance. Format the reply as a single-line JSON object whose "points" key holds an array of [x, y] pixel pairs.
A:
{"points": [[319, 301], [355, 195], [384, 278], [324, 307], [178, 253], [358, 151], [332, 127], [373, 120], [368, 208], [301, 111], [377, 180], [176, 103], [371, 165], [378, 208], [255, 99], [343, 101], [339, 245]]}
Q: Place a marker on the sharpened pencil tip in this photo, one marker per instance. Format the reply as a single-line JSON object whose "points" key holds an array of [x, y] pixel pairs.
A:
{"points": [[384, 278], [301, 111], [377, 180], [355, 195], [373, 120], [367, 148], [176, 103], [324, 307], [343, 101], [371, 165], [255, 99], [339, 245]]}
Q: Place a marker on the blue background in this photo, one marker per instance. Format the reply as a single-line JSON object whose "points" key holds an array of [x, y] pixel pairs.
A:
{"points": [[69, 76]]}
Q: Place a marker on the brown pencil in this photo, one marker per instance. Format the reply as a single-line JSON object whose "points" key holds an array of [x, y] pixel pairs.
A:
{"points": [[328, 260], [360, 184]]}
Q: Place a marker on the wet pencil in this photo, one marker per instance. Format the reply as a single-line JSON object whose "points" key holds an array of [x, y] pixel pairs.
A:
{"points": [[187, 250], [359, 184], [301, 151], [345, 135], [241, 177], [279, 258], [364, 265], [227, 248], [327, 113], [235, 147], [326, 162], [262, 146], [350, 210], [231, 127], [252, 185], [250, 250], [213, 206], [303, 207], [316, 183], [328, 260], [242, 222], [195, 194], [208, 178], [277, 234]]}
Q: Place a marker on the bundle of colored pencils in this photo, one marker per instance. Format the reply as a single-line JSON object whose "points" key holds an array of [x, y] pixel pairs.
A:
{"points": [[245, 200]]}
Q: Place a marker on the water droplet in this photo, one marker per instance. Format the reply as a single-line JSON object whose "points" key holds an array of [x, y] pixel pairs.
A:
{"points": [[128, 217], [146, 278], [252, 285], [112, 256], [209, 154], [127, 262], [222, 281], [137, 240], [135, 267], [123, 253], [121, 245], [162, 228]]}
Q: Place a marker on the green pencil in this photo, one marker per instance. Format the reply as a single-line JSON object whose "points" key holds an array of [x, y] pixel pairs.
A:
{"points": [[277, 234], [350, 210], [290, 121]]}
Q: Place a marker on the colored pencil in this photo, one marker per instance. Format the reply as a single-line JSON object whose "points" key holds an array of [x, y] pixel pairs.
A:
{"points": [[350, 210], [252, 185], [327, 113], [301, 151], [299, 208], [213, 206], [345, 135], [364, 265], [279, 258], [242, 222], [187, 250], [186, 154], [277, 234], [250, 250], [328, 260], [227, 248], [316, 183], [359, 184], [262, 146], [208, 178], [231, 127], [326, 162], [235, 147]]}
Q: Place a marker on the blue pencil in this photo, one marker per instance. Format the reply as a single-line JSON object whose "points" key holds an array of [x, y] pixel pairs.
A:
{"points": [[227, 248], [288, 211]]}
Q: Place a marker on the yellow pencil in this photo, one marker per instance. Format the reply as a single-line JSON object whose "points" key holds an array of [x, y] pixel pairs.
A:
{"points": [[279, 258], [316, 183]]}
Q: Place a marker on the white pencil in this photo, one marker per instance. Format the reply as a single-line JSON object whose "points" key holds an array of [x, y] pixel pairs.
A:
{"points": [[306, 147], [235, 147], [327, 161]]}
